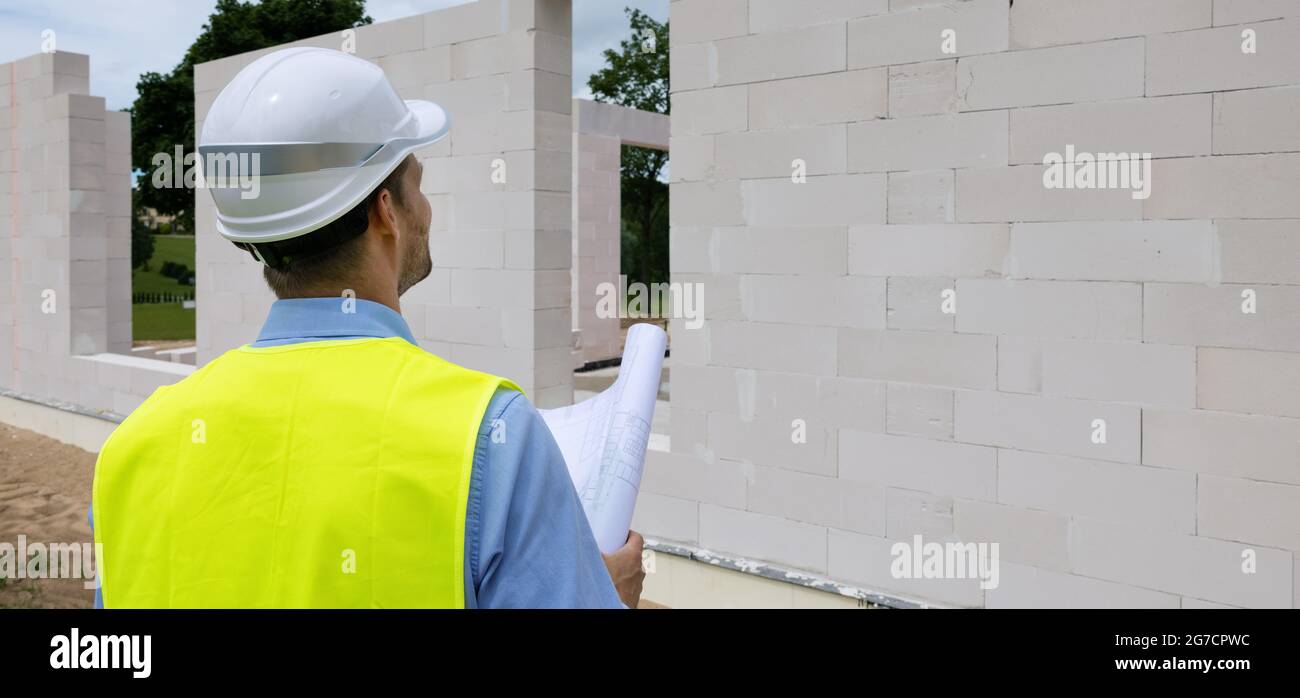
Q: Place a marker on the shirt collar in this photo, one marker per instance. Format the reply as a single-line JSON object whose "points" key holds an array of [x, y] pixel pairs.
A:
{"points": [[325, 318]]}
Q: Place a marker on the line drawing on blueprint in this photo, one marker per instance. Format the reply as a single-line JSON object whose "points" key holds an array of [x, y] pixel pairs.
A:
{"points": [[604, 438]]}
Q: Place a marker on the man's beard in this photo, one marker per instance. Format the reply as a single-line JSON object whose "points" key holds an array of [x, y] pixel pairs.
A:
{"points": [[418, 263]]}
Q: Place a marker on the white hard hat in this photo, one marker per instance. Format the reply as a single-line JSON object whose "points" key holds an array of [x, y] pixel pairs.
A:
{"points": [[325, 129]]}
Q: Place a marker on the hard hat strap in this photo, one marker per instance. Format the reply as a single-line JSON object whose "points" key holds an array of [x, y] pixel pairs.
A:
{"points": [[266, 254]]}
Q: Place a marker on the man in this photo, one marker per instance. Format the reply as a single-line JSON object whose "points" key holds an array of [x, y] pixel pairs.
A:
{"points": [[333, 463]]}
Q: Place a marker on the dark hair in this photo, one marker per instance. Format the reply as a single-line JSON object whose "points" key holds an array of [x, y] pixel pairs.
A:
{"points": [[298, 265]]}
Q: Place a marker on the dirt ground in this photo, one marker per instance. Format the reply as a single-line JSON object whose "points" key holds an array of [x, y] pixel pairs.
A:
{"points": [[44, 495], [160, 344]]}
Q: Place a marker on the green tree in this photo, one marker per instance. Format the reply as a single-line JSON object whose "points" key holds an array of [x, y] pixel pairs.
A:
{"points": [[163, 114], [636, 76], [141, 236]]}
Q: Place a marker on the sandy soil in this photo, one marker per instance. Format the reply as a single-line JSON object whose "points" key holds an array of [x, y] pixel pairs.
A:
{"points": [[44, 495], [160, 344]]}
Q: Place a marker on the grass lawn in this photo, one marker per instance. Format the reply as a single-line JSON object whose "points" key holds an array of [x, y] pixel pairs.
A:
{"points": [[166, 248], [150, 321]]}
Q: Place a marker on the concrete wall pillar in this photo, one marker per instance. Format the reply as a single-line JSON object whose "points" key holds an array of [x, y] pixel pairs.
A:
{"points": [[597, 241], [65, 242], [600, 131], [498, 299], [64, 223]]}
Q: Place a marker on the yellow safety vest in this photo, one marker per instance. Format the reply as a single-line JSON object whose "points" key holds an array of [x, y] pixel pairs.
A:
{"points": [[321, 474]]}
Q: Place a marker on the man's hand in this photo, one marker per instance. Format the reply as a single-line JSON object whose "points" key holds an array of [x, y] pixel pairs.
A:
{"points": [[624, 567]]}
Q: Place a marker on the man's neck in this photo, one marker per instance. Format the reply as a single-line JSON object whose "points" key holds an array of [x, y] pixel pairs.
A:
{"points": [[359, 292]]}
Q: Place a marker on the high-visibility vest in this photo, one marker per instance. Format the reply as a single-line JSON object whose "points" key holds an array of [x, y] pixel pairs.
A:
{"points": [[321, 474]]}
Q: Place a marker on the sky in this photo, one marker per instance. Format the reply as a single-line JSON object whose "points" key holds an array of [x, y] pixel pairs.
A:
{"points": [[125, 38]]}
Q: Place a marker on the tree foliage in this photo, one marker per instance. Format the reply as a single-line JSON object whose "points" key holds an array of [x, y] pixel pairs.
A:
{"points": [[141, 236], [636, 76], [162, 116]]}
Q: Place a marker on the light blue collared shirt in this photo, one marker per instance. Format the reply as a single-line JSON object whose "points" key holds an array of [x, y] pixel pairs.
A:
{"points": [[527, 540]]}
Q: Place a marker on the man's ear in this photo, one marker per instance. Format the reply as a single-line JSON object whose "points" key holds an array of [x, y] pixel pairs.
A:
{"points": [[383, 214]]}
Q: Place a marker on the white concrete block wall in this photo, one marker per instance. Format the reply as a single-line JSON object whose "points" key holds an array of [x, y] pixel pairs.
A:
{"points": [[117, 212], [924, 176], [65, 208], [501, 251], [599, 132]]}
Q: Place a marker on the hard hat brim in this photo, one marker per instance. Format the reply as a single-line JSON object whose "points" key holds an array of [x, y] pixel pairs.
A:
{"points": [[433, 120]]}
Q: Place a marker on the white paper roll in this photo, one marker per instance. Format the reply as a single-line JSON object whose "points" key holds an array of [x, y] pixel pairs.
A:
{"points": [[604, 438]]}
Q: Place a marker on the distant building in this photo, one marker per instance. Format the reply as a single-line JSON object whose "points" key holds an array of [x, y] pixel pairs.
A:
{"points": [[153, 219]]}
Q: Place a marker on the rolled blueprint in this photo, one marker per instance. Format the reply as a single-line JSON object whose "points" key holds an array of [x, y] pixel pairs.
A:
{"points": [[604, 438]]}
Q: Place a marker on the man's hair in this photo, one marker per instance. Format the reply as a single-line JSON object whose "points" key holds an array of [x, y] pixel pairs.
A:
{"points": [[334, 263]]}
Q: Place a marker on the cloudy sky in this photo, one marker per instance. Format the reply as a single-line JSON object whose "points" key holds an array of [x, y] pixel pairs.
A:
{"points": [[125, 38]]}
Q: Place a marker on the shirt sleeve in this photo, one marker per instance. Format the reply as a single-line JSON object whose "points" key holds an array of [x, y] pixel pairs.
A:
{"points": [[99, 594], [528, 541]]}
